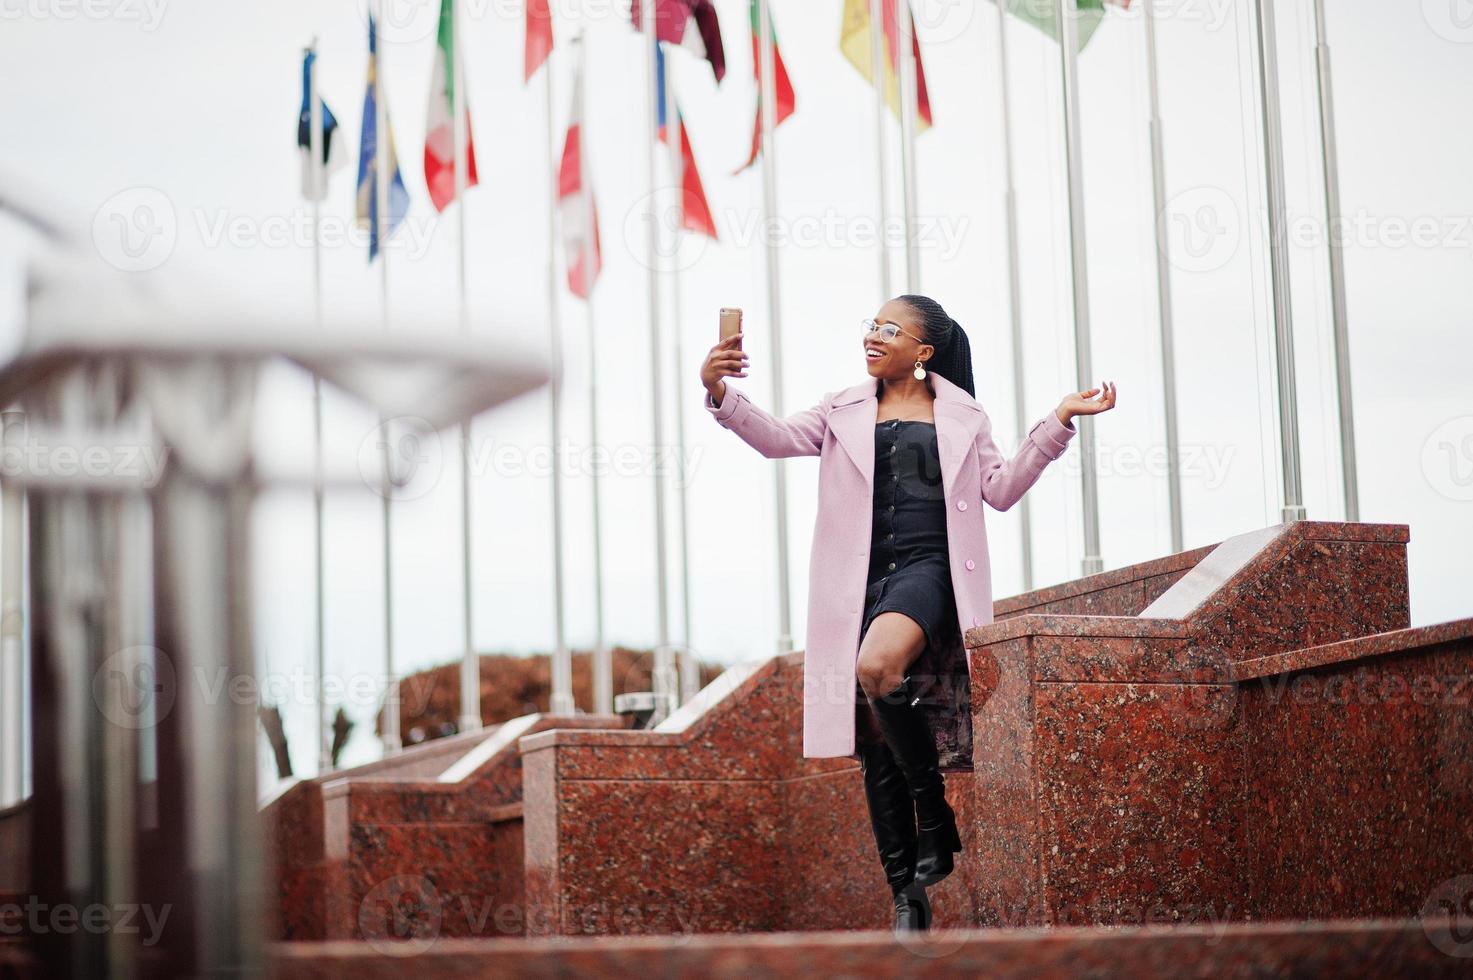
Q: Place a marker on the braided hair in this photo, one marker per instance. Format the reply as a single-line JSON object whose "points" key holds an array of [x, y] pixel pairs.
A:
{"points": [[953, 357]]}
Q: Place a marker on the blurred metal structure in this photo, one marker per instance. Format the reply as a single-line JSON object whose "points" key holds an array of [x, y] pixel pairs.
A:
{"points": [[1278, 253], [1330, 163], [140, 588], [1067, 13]]}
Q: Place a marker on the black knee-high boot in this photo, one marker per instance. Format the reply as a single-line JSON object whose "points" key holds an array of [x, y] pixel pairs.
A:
{"points": [[909, 739], [892, 816]]}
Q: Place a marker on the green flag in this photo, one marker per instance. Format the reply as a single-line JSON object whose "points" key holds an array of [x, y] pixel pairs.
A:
{"points": [[1040, 13]]}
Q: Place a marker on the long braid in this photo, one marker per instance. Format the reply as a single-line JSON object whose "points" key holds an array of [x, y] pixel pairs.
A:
{"points": [[953, 357]]}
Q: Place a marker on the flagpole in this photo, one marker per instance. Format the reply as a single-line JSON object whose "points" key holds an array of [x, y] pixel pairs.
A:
{"points": [[1163, 283], [560, 702], [767, 103], [1273, 152], [470, 668], [318, 170], [1079, 274], [1015, 285], [690, 681], [904, 39], [664, 690], [1331, 163], [603, 662], [380, 226], [877, 71]]}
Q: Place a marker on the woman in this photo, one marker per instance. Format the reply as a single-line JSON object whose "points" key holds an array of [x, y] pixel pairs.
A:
{"points": [[899, 567]]}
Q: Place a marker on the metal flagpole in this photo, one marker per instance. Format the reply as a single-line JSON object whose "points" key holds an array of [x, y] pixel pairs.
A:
{"points": [[13, 709], [470, 667], [603, 663], [1273, 152], [1015, 286], [877, 69], [318, 170], [767, 100], [1079, 274], [382, 176], [1331, 164], [561, 700], [905, 39], [690, 680], [664, 689], [1163, 284]]}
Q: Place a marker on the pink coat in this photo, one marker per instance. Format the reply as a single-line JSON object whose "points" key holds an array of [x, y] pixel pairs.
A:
{"points": [[840, 431]]}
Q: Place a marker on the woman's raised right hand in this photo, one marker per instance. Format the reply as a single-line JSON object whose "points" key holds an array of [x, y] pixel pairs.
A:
{"points": [[726, 360]]}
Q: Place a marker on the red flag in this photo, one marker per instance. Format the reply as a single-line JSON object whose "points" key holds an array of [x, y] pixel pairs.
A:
{"points": [[695, 210], [691, 24], [539, 37], [786, 100], [577, 223]]}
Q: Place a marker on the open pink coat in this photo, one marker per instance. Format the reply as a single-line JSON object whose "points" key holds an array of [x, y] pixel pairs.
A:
{"points": [[840, 431]]}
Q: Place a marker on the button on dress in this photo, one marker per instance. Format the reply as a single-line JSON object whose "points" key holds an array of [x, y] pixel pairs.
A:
{"points": [[909, 566]]}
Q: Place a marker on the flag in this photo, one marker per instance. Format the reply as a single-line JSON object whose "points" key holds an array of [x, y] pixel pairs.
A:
{"points": [[695, 210], [692, 24], [368, 175], [577, 223], [854, 42], [786, 101], [439, 129], [1040, 13], [539, 37], [333, 156]]}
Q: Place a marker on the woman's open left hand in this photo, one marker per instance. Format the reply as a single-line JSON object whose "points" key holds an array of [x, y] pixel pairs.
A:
{"points": [[1091, 402]]}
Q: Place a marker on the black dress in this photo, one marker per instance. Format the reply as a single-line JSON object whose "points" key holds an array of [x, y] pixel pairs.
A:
{"points": [[909, 565]]}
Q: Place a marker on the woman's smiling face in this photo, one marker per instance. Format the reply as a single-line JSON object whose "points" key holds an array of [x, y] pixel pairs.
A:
{"points": [[894, 360]]}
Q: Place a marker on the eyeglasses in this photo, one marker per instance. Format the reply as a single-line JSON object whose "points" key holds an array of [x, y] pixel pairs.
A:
{"points": [[888, 331]]}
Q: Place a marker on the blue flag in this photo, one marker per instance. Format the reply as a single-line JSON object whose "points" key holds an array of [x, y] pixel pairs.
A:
{"points": [[333, 158], [368, 175]]}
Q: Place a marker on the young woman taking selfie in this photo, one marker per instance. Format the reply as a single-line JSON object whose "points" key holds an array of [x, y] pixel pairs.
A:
{"points": [[899, 567]]}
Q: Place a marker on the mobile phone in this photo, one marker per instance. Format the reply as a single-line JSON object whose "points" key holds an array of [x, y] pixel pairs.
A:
{"points": [[731, 322]]}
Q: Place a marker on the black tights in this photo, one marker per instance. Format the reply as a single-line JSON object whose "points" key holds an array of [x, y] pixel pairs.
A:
{"points": [[866, 725]]}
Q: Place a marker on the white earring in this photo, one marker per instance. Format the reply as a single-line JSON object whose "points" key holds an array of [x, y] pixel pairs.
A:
{"points": [[920, 372]]}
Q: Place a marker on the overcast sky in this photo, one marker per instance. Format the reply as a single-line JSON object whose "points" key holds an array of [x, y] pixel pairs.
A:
{"points": [[188, 108]]}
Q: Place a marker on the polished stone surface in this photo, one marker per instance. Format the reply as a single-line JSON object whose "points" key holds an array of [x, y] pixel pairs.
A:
{"points": [[1207, 767], [443, 818], [1158, 762], [1205, 949]]}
